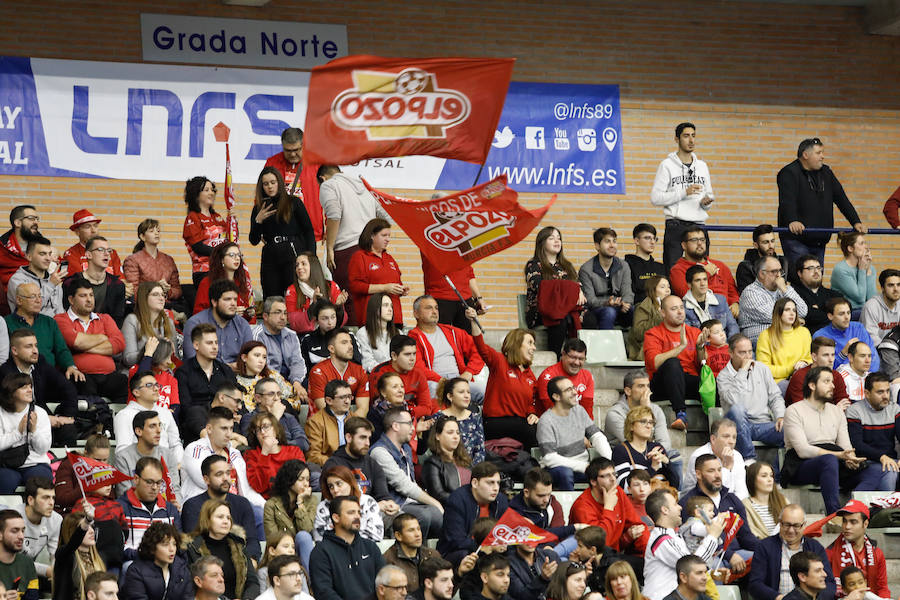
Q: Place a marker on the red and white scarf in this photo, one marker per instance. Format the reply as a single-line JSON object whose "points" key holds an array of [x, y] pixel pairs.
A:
{"points": [[848, 554]]}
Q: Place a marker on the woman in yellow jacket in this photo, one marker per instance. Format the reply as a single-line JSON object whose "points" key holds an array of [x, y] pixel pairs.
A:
{"points": [[784, 346]]}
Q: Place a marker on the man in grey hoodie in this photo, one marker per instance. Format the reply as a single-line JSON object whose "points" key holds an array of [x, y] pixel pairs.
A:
{"points": [[37, 271], [881, 313], [684, 190]]}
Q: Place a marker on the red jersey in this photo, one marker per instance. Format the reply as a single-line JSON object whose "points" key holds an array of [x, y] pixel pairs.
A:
{"points": [[717, 357], [437, 287], [261, 469], [78, 261], [201, 300], [325, 371], [367, 268], [307, 190], [720, 283], [614, 522], [415, 384], [659, 339], [168, 387], [207, 230], [510, 390], [583, 382]]}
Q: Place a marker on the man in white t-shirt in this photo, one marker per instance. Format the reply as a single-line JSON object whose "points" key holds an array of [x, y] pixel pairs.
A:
{"points": [[722, 441]]}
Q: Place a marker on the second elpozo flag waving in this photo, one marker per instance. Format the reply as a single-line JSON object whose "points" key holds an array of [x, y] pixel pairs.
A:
{"points": [[369, 106]]}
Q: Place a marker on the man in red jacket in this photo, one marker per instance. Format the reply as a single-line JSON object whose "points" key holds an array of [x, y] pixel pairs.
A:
{"points": [[721, 280], [25, 223], [853, 548], [444, 351], [403, 362], [290, 164], [606, 505], [574, 353]]}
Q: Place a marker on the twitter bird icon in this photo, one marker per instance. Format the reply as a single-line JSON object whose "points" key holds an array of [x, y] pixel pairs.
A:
{"points": [[503, 138]]}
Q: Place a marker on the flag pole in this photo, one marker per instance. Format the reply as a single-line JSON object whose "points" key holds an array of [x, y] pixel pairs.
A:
{"points": [[480, 168], [463, 300]]}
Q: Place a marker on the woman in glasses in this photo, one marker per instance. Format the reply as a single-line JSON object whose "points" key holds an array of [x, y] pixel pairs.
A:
{"points": [[292, 508], [447, 468], [204, 228], [340, 481], [784, 346], [568, 582], [638, 451], [281, 222], [268, 451], [227, 262]]}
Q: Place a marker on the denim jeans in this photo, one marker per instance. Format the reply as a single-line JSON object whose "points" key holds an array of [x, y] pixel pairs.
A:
{"points": [[564, 478], [606, 317], [794, 249], [565, 547], [10, 479], [749, 432], [304, 543], [824, 471]]}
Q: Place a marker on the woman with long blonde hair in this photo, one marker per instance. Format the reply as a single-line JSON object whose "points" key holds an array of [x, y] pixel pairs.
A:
{"points": [[148, 320], [784, 346]]}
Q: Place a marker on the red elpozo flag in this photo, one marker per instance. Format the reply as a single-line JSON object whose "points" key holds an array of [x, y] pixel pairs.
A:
{"points": [[369, 106], [513, 529], [733, 523], [94, 474], [457, 230]]}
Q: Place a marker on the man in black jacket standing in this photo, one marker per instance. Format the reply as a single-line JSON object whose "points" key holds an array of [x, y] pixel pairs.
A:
{"points": [[807, 188]]}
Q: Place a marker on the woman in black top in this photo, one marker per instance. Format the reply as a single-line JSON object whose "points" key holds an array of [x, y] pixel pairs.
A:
{"points": [[281, 221]]}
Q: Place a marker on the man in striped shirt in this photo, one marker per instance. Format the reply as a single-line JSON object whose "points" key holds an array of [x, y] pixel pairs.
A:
{"points": [[874, 427]]}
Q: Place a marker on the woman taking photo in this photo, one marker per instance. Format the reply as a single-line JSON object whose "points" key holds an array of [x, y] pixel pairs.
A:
{"points": [[216, 535], [309, 286], [639, 452], [448, 466], [204, 228], [268, 451], [765, 503], [340, 481], [374, 338], [251, 367], [77, 556], [509, 409], [568, 582], [227, 262], [282, 223], [549, 263], [784, 346], [455, 396], [158, 571], [148, 263], [646, 315], [372, 270], [24, 434], [292, 509], [148, 320]]}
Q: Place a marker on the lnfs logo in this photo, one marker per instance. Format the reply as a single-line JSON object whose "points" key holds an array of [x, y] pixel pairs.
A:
{"points": [[470, 231], [408, 104]]}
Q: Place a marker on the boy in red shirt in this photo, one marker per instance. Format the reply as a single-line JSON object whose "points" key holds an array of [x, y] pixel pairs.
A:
{"points": [[717, 355], [403, 362], [672, 354]]}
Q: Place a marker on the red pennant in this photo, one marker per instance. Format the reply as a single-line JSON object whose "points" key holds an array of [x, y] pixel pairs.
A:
{"points": [[94, 474], [513, 529], [733, 523], [369, 106], [168, 492], [455, 231]]}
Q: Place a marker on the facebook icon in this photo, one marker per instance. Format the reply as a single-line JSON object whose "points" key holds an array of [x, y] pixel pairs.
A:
{"points": [[534, 138]]}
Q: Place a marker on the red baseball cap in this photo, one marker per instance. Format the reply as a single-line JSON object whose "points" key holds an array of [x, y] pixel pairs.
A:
{"points": [[81, 217], [854, 506]]}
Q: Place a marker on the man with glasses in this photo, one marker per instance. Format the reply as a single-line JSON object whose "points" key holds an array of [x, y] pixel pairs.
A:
{"points": [[770, 577], [109, 291], [299, 179], [809, 286], [695, 247], [561, 432], [146, 429], [684, 189], [285, 580], [232, 330], [267, 395], [50, 343], [763, 245], [143, 504], [325, 429], [282, 344], [807, 189], [571, 361], [145, 390], [641, 263], [391, 583], [25, 226], [86, 226], [759, 298]]}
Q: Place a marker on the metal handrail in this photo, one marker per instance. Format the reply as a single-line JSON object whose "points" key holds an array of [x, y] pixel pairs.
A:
{"points": [[807, 230]]}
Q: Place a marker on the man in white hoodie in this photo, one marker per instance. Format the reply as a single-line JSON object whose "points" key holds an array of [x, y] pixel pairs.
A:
{"points": [[348, 206], [684, 189]]}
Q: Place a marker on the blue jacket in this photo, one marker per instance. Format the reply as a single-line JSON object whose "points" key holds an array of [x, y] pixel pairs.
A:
{"points": [[241, 513], [766, 571], [745, 540], [719, 311], [144, 581], [460, 513], [138, 519], [854, 330]]}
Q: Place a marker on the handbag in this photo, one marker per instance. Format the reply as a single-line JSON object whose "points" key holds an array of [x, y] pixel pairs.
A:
{"points": [[15, 457]]}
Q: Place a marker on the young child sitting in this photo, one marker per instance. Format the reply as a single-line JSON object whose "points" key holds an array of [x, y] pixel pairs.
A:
{"points": [[693, 530], [592, 550], [638, 490], [717, 355], [852, 580]]}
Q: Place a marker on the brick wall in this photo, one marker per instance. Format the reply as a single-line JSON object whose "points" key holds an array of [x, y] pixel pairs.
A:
{"points": [[755, 78]]}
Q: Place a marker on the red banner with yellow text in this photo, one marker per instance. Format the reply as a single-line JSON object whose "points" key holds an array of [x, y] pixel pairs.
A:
{"points": [[457, 230], [369, 106], [513, 529], [95, 474]]}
